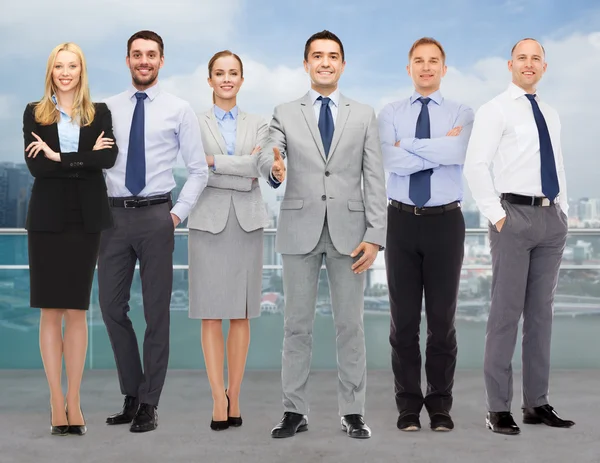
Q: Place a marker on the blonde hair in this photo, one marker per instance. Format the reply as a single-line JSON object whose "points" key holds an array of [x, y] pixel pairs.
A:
{"points": [[83, 110]]}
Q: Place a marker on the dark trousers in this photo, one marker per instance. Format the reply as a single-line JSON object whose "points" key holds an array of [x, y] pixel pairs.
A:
{"points": [[423, 253], [145, 234]]}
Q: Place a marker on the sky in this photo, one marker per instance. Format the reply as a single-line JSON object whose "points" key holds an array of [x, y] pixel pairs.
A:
{"points": [[270, 36]]}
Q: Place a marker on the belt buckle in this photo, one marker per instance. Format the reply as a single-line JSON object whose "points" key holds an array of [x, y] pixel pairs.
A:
{"points": [[127, 202], [416, 211], [545, 202]]}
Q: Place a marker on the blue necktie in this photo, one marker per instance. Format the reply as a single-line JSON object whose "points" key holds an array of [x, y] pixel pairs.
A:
{"points": [[135, 173], [326, 124], [419, 189], [548, 164]]}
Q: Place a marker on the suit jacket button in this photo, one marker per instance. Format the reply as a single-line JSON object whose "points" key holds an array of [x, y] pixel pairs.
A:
{"points": [[323, 197], [71, 165], [327, 174]]}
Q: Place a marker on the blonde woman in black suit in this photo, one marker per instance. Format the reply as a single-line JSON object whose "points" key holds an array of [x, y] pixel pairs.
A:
{"points": [[226, 237], [68, 141]]}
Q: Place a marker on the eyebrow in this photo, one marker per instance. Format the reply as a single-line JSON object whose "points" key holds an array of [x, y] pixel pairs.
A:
{"points": [[325, 53], [525, 55], [223, 70], [141, 51]]}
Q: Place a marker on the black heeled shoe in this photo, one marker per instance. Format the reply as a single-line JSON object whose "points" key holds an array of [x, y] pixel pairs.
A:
{"points": [[78, 429], [235, 421], [220, 425], [58, 430]]}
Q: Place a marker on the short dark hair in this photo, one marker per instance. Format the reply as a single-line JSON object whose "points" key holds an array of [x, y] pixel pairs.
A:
{"points": [[523, 40], [323, 35], [147, 35], [426, 41]]}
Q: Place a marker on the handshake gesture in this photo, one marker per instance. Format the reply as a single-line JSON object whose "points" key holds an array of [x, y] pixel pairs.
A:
{"points": [[278, 167]]}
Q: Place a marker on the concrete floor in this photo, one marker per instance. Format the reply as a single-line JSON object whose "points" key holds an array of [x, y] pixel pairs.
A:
{"points": [[183, 434]]}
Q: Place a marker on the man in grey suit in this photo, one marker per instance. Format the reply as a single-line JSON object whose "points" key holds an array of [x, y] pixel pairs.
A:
{"points": [[334, 209]]}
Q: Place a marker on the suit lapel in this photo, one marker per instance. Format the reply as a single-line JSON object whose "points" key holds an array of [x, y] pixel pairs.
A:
{"points": [[240, 133], [340, 123], [309, 116], [211, 122], [52, 139]]}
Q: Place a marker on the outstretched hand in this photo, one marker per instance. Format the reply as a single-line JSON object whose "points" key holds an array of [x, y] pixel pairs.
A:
{"points": [[278, 168]]}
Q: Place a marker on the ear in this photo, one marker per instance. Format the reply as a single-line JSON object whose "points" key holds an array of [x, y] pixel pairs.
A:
{"points": [[510, 65], [444, 70], [305, 66], [162, 61], [408, 70]]}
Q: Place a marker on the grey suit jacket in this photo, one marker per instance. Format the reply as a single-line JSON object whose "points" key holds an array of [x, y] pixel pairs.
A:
{"points": [[348, 185], [234, 178]]}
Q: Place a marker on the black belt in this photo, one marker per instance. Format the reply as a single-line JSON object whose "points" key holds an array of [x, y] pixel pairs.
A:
{"points": [[424, 210], [526, 200], [135, 202]]}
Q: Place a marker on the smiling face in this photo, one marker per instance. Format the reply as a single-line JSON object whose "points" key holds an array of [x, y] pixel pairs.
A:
{"points": [[426, 67], [144, 61], [66, 72], [226, 78], [527, 64], [325, 65]]}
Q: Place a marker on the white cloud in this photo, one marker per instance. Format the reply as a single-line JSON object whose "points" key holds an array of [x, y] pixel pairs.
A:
{"points": [[8, 107]]}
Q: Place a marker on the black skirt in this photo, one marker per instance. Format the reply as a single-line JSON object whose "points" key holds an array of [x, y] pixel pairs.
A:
{"points": [[61, 265]]}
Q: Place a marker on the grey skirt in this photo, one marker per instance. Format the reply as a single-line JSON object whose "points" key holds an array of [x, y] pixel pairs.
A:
{"points": [[225, 272]]}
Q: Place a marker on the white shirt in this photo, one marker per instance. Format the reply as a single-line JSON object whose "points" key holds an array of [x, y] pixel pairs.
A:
{"points": [[505, 134], [333, 104], [171, 128]]}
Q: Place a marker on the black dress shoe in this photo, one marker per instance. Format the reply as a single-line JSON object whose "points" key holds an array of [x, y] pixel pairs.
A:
{"points": [[355, 427], [219, 425], [408, 422], [78, 429], [441, 422], [502, 423], [235, 421], [62, 430], [130, 406], [290, 424], [547, 415], [146, 419]]}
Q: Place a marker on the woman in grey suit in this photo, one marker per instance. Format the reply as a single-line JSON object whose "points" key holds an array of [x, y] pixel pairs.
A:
{"points": [[226, 236]]}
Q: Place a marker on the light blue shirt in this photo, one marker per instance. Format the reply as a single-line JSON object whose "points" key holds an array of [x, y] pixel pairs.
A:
{"points": [[227, 122], [333, 104], [68, 131], [171, 128], [444, 154]]}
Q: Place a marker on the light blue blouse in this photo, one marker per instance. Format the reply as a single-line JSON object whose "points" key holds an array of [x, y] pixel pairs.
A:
{"points": [[227, 121], [68, 131]]}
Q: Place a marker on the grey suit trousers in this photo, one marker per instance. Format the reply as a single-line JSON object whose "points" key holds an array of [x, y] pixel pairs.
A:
{"points": [[300, 282], [526, 256]]}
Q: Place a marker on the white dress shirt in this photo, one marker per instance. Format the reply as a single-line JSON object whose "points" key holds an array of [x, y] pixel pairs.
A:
{"points": [[171, 128], [505, 134], [333, 104]]}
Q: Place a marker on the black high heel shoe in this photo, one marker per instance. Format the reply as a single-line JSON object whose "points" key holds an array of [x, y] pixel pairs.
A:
{"points": [[78, 429], [220, 425], [58, 430], [235, 421]]}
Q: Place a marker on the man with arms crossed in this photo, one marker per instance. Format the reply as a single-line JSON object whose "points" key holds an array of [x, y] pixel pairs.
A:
{"points": [[424, 139], [520, 135], [332, 149], [153, 127]]}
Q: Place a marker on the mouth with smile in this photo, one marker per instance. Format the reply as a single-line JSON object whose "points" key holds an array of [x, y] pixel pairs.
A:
{"points": [[226, 87], [144, 71], [65, 82], [528, 73], [325, 72]]}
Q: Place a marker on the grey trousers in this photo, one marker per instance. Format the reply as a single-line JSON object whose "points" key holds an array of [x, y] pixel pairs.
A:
{"points": [[145, 234], [300, 283], [526, 258]]}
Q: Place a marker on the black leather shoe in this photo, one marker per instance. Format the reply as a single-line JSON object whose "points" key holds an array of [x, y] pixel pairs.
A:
{"points": [[62, 430], [547, 415], [441, 422], [290, 424], [146, 419], [78, 429], [130, 406], [409, 422], [235, 421], [219, 425], [502, 423], [355, 427]]}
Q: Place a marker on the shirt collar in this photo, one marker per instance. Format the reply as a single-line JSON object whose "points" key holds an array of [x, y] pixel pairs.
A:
{"points": [[334, 97], [220, 113], [514, 91], [152, 92], [55, 101], [435, 96]]}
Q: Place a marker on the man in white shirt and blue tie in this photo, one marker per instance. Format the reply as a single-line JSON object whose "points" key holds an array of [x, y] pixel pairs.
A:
{"points": [[152, 127], [526, 204]]}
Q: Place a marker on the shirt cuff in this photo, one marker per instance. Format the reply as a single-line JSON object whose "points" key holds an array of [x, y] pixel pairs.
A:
{"points": [[273, 179]]}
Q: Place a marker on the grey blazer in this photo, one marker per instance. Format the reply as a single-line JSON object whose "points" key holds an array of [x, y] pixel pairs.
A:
{"points": [[348, 185], [234, 178]]}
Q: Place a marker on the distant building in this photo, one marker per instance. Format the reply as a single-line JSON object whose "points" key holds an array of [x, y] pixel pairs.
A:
{"points": [[15, 191]]}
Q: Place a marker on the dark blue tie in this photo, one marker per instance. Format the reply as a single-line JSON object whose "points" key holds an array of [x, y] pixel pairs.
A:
{"points": [[326, 124], [135, 174], [419, 189], [548, 164]]}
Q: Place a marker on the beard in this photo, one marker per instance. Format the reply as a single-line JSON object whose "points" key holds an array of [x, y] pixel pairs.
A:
{"points": [[144, 80]]}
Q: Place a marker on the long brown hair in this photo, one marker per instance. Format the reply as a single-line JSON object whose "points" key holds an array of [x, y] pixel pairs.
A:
{"points": [[83, 110], [221, 54]]}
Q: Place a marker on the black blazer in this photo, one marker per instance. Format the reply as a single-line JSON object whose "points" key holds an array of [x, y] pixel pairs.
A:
{"points": [[47, 206]]}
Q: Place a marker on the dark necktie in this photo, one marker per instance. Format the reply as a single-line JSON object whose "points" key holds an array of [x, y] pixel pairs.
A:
{"points": [[419, 189], [548, 164], [326, 124], [135, 173]]}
